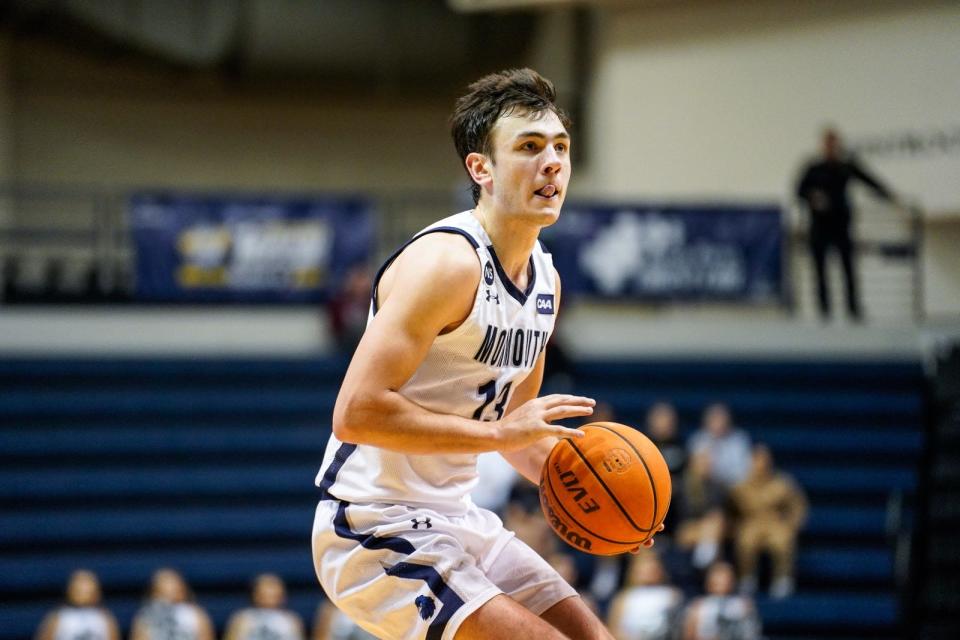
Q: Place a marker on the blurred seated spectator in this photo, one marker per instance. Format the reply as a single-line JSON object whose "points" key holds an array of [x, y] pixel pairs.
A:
{"points": [[770, 510], [170, 612], [720, 615], [267, 618], [349, 307], [605, 575], [663, 430], [699, 506], [82, 617], [564, 561], [648, 606], [526, 520], [729, 447], [332, 624], [558, 368]]}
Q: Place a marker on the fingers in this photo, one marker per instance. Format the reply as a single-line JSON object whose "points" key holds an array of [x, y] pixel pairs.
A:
{"points": [[566, 411], [557, 399], [649, 542], [563, 432]]}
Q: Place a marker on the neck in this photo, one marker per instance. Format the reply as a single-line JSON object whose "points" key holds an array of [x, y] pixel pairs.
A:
{"points": [[513, 240]]}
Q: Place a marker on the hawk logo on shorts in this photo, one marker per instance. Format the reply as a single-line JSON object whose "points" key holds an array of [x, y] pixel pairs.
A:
{"points": [[417, 522], [488, 272], [426, 606]]}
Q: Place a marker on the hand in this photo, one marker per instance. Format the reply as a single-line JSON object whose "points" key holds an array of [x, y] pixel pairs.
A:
{"points": [[531, 421], [648, 542]]}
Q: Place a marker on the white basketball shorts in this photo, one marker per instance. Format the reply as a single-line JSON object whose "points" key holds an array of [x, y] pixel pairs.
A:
{"points": [[409, 573]]}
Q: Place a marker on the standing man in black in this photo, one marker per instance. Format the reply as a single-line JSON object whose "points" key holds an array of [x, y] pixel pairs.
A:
{"points": [[823, 188]]}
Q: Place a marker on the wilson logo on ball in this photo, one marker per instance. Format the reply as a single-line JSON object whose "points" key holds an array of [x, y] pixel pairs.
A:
{"points": [[580, 496], [572, 537]]}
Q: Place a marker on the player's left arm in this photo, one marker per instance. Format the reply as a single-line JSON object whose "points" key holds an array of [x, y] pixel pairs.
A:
{"points": [[529, 460]]}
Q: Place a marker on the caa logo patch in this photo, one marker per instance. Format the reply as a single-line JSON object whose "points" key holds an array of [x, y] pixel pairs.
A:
{"points": [[488, 273], [545, 303]]}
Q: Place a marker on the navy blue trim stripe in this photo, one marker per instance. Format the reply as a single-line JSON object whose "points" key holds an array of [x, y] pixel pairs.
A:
{"points": [[408, 570], [330, 475], [396, 254], [512, 289], [342, 527]]}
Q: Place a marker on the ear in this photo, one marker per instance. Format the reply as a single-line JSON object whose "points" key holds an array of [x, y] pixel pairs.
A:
{"points": [[479, 167]]}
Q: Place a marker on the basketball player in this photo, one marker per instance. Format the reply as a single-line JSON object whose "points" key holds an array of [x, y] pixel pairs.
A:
{"points": [[450, 366], [83, 617]]}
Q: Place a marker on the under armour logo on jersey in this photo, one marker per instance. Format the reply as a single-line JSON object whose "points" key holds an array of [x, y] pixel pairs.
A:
{"points": [[426, 606], [417, 522], [493, 296], [488, 273]]}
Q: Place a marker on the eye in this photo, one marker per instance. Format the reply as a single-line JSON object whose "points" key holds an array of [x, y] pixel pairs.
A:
{"points": [[529, 145], [561, 147]]}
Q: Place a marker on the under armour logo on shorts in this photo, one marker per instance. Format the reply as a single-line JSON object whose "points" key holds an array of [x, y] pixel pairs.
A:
{"points": [[417, 522]]}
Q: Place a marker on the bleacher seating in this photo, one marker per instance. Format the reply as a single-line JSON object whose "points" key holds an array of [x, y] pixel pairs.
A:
{"points": [[122, 466], [850, 432]]}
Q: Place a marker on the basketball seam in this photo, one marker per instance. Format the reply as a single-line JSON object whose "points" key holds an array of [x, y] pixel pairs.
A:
{"points": [[577, 522], [610, 493], [653, 485]]}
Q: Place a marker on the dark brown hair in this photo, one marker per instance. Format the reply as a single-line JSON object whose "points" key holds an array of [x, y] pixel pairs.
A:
{"points": [[493, 96]]}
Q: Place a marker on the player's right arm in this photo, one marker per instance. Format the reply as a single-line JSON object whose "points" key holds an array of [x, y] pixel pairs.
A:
{"points": [[429, 289]]}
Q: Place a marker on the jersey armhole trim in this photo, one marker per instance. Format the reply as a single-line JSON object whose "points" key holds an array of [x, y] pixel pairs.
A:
{"points": [[396, 254]]}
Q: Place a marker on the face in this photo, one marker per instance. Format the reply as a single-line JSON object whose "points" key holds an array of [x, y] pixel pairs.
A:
{"points": [[529, 170], [169, 586], [646, 570], [831, 145], [83, 590], [762, 461], [269, 592], [717, 420], [720, 579], [662, 421]]}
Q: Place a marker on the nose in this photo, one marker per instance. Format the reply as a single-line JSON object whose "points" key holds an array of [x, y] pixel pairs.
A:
{"points": [[551, 162]]}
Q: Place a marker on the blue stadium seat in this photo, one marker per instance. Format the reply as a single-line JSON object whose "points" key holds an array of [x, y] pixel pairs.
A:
{"points": [[207, 465]]}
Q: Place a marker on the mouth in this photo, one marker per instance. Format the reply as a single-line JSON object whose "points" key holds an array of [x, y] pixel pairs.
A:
{"points": [[548, 191]]}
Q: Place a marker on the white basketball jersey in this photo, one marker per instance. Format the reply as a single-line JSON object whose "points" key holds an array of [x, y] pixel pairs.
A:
{"points": [[171, 621], [470, 372], [268, 624], [82, 623]]}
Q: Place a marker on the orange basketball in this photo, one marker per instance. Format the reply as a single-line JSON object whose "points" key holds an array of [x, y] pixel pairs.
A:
{"points": [[607, 492]]}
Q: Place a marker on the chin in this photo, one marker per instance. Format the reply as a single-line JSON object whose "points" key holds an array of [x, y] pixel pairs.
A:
{"points": [[548, 213]]}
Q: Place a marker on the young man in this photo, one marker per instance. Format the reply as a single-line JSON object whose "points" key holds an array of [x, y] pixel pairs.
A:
{"points": [[450, 366]]}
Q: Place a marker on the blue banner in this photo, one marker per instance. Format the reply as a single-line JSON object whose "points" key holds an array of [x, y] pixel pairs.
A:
{"points": [[198, 248], [673, 252]]}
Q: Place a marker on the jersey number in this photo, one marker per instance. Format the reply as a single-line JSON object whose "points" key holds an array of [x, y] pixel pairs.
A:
{"points": [[489, 391]]}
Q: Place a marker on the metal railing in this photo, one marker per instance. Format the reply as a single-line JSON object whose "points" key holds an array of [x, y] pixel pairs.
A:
{"points": [[73, 244], [888, 258]]}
